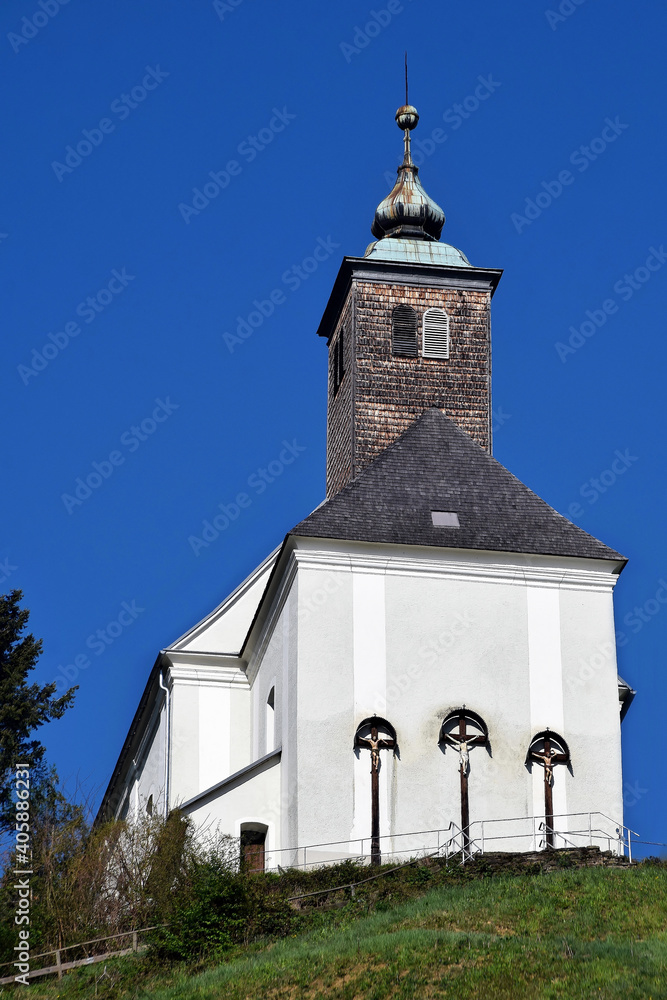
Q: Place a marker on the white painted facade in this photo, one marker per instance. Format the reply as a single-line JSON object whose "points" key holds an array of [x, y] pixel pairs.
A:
{"points": [[248, 721], [342, 631]]}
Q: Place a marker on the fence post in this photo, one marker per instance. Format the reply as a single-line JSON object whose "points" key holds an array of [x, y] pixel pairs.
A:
{"points": [[59, 964], [134, 940], [482, 836], [629, 844]]}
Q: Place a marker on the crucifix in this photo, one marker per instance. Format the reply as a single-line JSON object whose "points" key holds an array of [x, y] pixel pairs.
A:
{"points": [[374, 742], [547, 757], [455, 732]]}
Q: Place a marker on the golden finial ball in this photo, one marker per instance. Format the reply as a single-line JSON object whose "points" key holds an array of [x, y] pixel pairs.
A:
{"points": [[407, 117]]}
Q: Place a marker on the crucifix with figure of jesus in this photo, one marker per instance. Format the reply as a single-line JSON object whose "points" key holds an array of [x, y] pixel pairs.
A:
{"points": [[464, 730], [375, 734], [547, 749]]}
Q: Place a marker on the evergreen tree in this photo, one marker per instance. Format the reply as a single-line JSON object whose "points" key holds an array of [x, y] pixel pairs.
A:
{"points": [[23, 706]]}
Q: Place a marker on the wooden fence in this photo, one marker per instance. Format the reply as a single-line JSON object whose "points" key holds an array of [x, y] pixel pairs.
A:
{"points": [[61, 966]]}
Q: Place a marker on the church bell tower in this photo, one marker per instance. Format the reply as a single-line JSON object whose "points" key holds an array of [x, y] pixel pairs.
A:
{"points": [[408, 327]]}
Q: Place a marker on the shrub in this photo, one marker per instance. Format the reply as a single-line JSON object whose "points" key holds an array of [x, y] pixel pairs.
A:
{"points": [[215, 904], [209, 913]]}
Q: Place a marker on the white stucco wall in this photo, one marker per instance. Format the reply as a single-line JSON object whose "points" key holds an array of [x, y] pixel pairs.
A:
{"points": [[275, 666], [590, 700], [414, 635], [324, 701], [252, 801], [210, 726], [146, 773], [350, 631], [210, 721]]}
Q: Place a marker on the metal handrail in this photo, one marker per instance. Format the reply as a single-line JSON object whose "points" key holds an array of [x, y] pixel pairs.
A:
{"points": [[360, 840], [317, 862], [621, 837]]}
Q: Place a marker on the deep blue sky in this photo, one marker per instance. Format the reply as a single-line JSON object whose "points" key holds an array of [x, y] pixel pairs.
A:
{"points": [[217, 78]]}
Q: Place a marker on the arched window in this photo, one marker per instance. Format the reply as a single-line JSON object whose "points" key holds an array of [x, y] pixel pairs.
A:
{"points": [[149, 806], [462, 730], [271, 720], [404, 331], [435, 334], [548, 749], [375, 734]]}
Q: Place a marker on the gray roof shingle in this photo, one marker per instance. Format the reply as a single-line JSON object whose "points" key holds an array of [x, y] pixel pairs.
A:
{"points": [[435, 466]]}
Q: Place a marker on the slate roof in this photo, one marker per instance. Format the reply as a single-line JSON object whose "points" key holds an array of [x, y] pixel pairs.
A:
{"points": [[435, 466]]}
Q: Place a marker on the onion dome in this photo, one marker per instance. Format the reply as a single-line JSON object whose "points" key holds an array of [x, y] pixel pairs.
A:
{"points": [[407, 211]]}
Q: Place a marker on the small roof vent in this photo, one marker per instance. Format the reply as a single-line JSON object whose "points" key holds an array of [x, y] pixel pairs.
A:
{"points": [[445, 519]]}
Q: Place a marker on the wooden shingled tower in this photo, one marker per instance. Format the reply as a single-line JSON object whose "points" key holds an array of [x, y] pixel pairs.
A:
{"points": [[408, 327]]}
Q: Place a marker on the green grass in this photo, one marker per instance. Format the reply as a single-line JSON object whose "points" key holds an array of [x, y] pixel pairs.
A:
{"points": [[597, 932]]}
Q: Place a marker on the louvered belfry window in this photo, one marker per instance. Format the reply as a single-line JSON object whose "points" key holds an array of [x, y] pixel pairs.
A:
{"points": [[436, 334], [338, 362], [404, 331]]}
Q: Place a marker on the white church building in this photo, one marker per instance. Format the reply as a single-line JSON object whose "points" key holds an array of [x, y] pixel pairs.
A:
{"points": [[428, 660]]}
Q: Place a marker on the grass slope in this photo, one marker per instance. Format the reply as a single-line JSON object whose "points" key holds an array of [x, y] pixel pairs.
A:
{"points": [[592, 933]]}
